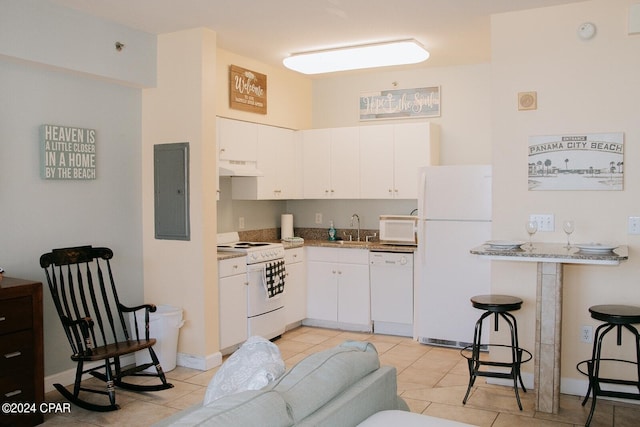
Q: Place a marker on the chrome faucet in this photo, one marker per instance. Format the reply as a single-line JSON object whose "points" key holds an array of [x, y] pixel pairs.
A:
{"points": [[358, 218]]}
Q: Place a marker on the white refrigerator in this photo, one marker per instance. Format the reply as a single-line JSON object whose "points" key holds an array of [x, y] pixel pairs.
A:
{"points": [[454, 215]]}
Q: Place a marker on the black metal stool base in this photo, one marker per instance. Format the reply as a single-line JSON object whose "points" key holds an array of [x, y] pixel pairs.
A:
{"points": [[499, 306], [616, 317]]}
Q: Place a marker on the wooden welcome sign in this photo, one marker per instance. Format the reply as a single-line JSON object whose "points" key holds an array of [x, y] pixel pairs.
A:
{"points": [[247, 90]]}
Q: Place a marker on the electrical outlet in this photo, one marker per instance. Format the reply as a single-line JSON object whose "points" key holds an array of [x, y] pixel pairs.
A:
{"points": [[546, 222], [634, 225], [318, 218], [586, 333], [241, 223]]}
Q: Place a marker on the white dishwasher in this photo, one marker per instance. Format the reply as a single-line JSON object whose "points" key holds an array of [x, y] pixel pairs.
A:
{"points": [[391, 278]]}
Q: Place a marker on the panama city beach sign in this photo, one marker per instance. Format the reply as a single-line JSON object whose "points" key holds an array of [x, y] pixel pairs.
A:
{"points": [[67, 152]]}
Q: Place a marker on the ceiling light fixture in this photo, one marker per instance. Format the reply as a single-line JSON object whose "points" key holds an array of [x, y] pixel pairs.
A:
{"points": [[374, 55]]}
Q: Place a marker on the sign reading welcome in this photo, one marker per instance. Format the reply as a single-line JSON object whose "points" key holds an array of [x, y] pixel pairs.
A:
{"points": [[67, 152], [247, 90]]}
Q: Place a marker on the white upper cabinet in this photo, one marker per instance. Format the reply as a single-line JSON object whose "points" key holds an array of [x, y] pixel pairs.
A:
{"points": [[390, 156], [238, 140], [331, 163], [278, 158]]}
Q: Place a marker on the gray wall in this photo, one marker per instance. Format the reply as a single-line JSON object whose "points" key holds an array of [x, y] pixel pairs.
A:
{"points": [[38, 215]]}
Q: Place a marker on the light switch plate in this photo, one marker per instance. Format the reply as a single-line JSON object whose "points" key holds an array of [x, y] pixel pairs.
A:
{"points": [[634, 225], [546, 222]]}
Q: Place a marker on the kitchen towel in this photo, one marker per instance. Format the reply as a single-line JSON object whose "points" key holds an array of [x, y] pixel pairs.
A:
{"points": [[286, 226], [273, 278]]}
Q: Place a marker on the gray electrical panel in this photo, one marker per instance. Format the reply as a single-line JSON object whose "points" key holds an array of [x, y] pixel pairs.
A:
{"points": [[171, 190]]}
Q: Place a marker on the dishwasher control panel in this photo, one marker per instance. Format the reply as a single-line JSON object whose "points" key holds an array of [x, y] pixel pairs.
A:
{"points": [[391, 258]]}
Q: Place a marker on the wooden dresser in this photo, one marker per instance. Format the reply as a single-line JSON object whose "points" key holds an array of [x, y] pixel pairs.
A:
{"points": [[21, 349]]}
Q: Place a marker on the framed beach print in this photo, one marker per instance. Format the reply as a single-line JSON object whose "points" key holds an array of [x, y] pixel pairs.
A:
{"points": [[588, 161]]}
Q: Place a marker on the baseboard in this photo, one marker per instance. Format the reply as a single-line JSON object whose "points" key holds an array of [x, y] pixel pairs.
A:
{"points": [[199, 362], [68, 377]]}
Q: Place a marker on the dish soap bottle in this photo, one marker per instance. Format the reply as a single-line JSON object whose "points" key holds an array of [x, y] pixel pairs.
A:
{"points": [[332, 232]]}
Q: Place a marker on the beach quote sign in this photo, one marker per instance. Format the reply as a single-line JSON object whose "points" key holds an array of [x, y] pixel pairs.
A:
{"points": [[67, 153]]}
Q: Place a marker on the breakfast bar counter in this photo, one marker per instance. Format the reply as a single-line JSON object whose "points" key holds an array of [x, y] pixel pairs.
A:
{"points": [[550, 258]]}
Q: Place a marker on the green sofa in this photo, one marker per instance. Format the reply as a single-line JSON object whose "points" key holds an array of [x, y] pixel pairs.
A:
{"points": [[341, 386]]}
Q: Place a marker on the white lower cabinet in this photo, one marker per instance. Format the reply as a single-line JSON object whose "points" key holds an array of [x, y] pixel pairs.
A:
{"points": [[232, 287], [295, 295], [338, 288]]}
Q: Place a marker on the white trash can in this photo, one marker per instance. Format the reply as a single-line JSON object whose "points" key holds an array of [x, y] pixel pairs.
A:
{"points": [[164, 326]]}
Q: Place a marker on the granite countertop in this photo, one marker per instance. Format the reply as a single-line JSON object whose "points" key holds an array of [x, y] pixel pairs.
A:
{"points": [[372, 246], [554, 252]]}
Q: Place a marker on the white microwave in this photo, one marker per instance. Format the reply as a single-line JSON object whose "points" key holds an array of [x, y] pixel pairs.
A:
{"points": [[398, 230]]}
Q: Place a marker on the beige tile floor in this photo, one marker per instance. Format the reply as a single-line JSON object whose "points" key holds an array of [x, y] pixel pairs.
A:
{"points": [[431, 380]]}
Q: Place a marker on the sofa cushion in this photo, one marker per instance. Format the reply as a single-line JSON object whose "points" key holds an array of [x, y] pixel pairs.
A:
{"points": [[247, 409], [322, 376]]}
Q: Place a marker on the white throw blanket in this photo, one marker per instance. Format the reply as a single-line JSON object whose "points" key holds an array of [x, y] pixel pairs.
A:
{"points": [[254, 365]]}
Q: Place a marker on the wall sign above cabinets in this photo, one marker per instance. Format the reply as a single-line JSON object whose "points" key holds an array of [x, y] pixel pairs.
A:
{"points": [[67, 152], [247, 90], [400, 103]]}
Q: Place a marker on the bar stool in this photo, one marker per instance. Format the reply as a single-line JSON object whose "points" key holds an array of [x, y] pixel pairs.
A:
{"points": [[499, 306], [615, 317]]}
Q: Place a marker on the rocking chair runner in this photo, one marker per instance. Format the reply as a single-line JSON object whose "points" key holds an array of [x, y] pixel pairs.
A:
{"points": [[85, 297]]}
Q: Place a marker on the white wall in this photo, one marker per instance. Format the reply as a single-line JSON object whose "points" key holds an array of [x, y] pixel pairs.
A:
{"points": [[465, 121], [583, 86], [38, 215], [182, 109], [59, 67], [62, 38]]}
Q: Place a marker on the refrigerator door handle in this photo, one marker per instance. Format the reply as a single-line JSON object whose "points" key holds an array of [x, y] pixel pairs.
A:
{"points": [[422, 190]]}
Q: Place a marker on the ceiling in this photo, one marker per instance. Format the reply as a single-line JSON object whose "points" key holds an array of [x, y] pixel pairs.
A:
{"points": [[455, 32]]}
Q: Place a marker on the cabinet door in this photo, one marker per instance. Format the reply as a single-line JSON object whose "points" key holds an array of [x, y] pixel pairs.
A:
{"points": [[376, 162], [276, 156], [233, 310], [322, 291], [411, 151], [353, 294], [285, 158], [238, 140], [295, 304], [316, 159], [345, 163]]}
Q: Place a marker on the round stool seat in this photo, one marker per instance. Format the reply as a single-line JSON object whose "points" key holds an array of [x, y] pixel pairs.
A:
{"points": [[496, 303], [616, 314]]}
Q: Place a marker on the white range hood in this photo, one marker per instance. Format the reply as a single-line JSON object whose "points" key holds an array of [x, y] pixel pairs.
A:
{"points": [[238, 168]]}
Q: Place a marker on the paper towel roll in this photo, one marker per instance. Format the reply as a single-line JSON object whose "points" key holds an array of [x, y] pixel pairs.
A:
{"points": [[286, 224]]}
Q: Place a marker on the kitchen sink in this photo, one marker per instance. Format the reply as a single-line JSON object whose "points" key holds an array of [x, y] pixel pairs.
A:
{"points": [[350, 243]]}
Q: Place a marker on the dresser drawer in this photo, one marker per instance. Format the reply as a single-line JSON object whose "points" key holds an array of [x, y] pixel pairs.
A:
{"points": [[16, 314], [16, 353], [17, 388]]}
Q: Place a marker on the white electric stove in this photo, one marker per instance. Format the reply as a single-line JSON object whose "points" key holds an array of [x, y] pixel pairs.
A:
{"points": [[265, 315]]}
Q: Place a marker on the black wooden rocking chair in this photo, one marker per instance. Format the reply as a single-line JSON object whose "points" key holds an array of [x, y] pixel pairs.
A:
{"points": [[84, 294]]}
